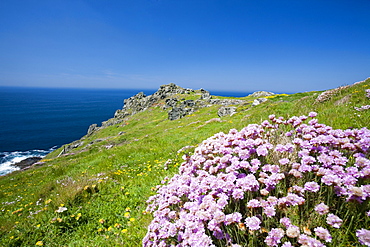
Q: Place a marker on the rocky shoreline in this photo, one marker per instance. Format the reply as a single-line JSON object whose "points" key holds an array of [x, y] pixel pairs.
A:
{"points": [[26, 163]]}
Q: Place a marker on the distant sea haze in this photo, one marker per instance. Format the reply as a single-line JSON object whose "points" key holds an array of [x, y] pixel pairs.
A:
{"points": [[35, 121]]}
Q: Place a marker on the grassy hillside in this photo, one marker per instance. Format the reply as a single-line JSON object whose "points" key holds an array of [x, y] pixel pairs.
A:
{"points": [[96, 194]]}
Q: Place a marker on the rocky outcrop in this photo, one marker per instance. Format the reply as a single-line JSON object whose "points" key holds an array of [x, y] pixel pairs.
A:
{"points": [[261, 94], [258, 101], [141, 102], [226, 111], [170, 92], [179, 112], [171, 97], [92, 128]]}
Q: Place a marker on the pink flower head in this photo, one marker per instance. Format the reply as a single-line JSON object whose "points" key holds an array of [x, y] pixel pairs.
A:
{"points": [[323, 234], [285, 222], [311, 186], [262, 150], [363, 236], [284, 161], [334, 220], [269, 211], [286, 244], [322, 208], [254, 203], [305, 240], [274, 236], [253, 223]]}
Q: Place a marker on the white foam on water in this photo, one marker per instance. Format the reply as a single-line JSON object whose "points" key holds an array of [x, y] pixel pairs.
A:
{"points": [[8, 159]]}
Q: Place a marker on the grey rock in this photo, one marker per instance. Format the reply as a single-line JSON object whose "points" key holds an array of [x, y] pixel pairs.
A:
{"points": [[205, 95], [226, 111], [27, 162], [258, 101], [112, 121], [261, 94], [92, 128], [226, 102], [188, 103], [170, 102], [68, 147], [179, 112]]}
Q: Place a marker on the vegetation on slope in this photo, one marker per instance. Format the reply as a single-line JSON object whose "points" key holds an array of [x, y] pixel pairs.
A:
{"points": [[96, 196]]}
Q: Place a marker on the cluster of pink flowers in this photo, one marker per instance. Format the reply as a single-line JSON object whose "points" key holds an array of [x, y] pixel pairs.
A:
{"points": [[367, 93], [362, 108], [263, 181]]}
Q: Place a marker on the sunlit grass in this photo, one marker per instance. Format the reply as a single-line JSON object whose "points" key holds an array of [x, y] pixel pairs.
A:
{"points": [[104, 185]]}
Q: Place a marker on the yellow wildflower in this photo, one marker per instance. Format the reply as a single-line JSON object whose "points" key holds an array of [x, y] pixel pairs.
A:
{"points": [[39, 243], [126, 215], [17, 211], [132, 219], [101, 221], [124, 230], [48, 201], [78, 216]]}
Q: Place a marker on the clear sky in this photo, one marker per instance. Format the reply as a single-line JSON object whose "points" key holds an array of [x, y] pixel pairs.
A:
{"points": [[231, 45]]}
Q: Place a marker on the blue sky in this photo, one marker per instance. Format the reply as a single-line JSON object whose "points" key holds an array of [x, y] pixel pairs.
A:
{"points": [[231, 45]]}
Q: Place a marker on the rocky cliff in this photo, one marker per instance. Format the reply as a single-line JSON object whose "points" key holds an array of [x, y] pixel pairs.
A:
{"points": [[175, 100]]}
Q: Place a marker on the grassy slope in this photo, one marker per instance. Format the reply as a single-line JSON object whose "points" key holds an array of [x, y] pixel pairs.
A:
{"points": [[104, 189]]}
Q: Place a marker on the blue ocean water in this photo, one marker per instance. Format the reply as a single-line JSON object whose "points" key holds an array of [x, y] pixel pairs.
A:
{"points": [[35, 121]]}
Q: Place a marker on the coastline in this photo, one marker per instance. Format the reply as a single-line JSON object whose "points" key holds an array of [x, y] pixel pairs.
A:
{"points": [[20, 160]]}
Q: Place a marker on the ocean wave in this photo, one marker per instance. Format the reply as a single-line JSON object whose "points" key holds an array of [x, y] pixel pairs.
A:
{"points": [[8, 159]]}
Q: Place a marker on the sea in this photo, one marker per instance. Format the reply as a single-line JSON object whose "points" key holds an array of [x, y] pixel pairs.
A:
{"points": [[36, 121]]}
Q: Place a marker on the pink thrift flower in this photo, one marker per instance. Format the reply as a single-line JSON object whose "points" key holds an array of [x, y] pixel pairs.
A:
{"points": [[274, 236], [334, 220], [284, 161], [363, 236], [323, 234], [253, 223], [286, 244], [254, 203], [293, 231], [262, 151], [311, 186], [285, 222], [269, 211], [322, 208]]}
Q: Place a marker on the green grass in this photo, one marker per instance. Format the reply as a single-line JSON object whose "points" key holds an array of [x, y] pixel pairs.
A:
{"points": [[105, 189]]}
